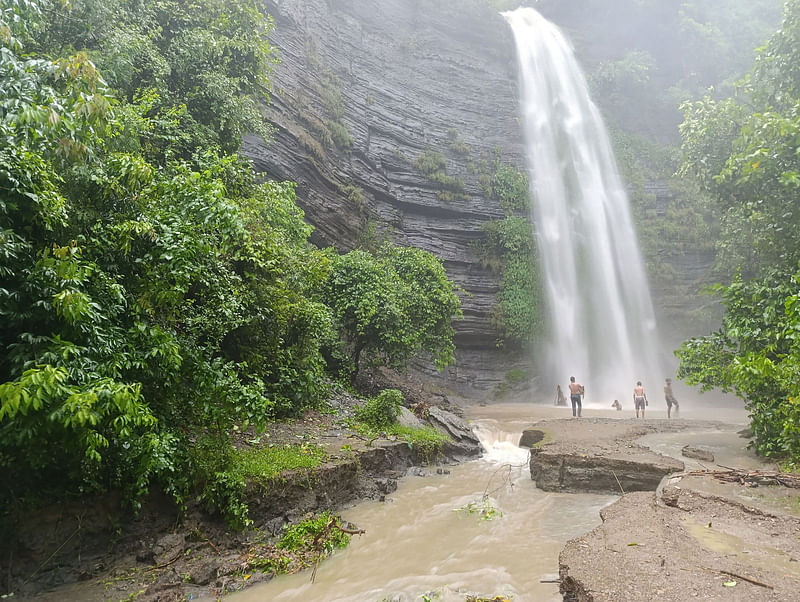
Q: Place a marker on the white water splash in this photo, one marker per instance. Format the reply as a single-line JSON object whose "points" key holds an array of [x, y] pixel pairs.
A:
{"points": [[501, 446], [603, 328]]}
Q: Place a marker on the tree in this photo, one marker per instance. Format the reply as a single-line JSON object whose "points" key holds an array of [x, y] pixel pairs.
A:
{"points": [[206, 62], [743, 151], [392, 305], [150, 294]]}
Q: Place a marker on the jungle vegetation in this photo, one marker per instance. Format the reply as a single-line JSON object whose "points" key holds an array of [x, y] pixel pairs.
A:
{"points": [[156, 295], [743, 151]]}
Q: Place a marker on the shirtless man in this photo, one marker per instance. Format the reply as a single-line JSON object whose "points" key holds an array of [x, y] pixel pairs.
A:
{"points": [[670, 398], [575, 392], [639, 398]]}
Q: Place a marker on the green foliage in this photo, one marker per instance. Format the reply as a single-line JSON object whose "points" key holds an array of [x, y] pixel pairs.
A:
{"points": [[263, 464], [302, 545], [756, 355], [455, 144], [434, 166], [380, 412], [150, 288], [620, 81], [509, 247], [426, 440], [510, 187], [317, 532], [484, 509], [743, 151], [379, 415], [392, 305], [207, 58], [222, 473]]}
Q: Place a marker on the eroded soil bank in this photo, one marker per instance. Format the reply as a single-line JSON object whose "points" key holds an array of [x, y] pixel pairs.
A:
{"points": [[91, 550]]}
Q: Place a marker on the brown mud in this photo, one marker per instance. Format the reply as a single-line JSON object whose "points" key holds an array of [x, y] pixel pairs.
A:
{"points": [[709, 533]]}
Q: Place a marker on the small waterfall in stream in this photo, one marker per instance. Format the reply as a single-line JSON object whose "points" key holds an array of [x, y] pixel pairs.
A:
{"points": [[501, 446], [600, 314]]}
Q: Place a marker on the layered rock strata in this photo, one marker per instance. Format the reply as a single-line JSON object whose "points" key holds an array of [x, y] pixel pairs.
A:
{"points": [[365, 91], [598, 455]]}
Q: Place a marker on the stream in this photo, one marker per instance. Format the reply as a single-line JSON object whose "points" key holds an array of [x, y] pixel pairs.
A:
{"points": [[423, 538]]}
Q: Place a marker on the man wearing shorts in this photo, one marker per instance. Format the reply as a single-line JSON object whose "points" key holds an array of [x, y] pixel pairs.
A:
{"points": [[639, 398]]}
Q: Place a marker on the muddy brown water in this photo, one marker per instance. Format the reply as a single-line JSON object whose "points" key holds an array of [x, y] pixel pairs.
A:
{"points": [[423, 539], [422, 542]]}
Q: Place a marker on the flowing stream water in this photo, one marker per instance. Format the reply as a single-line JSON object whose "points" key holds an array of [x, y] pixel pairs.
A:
{"points": [[421, 540], [603, 328]]}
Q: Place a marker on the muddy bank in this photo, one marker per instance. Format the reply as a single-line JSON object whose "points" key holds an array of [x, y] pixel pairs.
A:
{"points": [[600, 455], [90, 550], [698, 534], [688, 543]]}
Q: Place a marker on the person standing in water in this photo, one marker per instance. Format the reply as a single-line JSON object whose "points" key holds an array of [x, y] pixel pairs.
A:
{"points": [[575, 393], [670, 398], [560, 399], [639, 398]]}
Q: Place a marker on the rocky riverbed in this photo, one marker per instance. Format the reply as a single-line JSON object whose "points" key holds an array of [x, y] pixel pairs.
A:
{"points": [[707, 532]]}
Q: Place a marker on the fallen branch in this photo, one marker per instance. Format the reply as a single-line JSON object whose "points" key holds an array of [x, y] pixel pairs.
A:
{"points": [[352, 532], [745, 477], [743, 578], [618, 483], [58, 549], [164, 565]]}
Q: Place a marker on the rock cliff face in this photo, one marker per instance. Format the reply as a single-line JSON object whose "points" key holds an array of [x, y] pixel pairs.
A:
{"points": [[369, 90], [365, 91]]}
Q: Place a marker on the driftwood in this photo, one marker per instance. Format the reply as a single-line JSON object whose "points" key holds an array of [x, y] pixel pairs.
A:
{"points": [[748, 579], [750, 478]]}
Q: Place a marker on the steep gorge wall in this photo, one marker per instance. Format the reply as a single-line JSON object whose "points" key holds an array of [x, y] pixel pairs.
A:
{"points": [[363, 90]]}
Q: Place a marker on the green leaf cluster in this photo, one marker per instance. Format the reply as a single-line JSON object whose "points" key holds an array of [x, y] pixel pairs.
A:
{"points": [[434, 165], [509, 248], [391, 305], [743, 151], [380, 412]]}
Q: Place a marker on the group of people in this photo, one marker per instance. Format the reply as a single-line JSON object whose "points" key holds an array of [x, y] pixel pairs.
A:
{"points": [[577, 392]]}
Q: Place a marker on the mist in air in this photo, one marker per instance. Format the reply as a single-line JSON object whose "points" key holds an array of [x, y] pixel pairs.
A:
{"points": [[602, 327]]}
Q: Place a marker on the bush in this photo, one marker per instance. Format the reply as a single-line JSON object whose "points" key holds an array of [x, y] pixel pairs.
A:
{"points": [[381, 412]]}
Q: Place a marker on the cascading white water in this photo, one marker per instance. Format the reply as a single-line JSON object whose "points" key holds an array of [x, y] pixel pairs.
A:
{"points": [[602, 324], [501, 446]]}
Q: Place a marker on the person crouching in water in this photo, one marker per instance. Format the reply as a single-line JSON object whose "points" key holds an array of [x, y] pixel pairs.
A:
{"points": [[575, 392], [639, 398], [670, 398], [616, 405]]}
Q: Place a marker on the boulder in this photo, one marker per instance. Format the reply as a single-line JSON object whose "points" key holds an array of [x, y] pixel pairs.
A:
{"points": [[531, 437], [697, 453], [407, 418]]}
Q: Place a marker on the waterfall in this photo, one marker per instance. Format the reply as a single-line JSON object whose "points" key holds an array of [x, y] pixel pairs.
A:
{"points": [[602, 327], [500, 445]]}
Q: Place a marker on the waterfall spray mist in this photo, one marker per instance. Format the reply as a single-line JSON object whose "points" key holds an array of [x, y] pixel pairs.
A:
{"points": [[602, 326]]}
